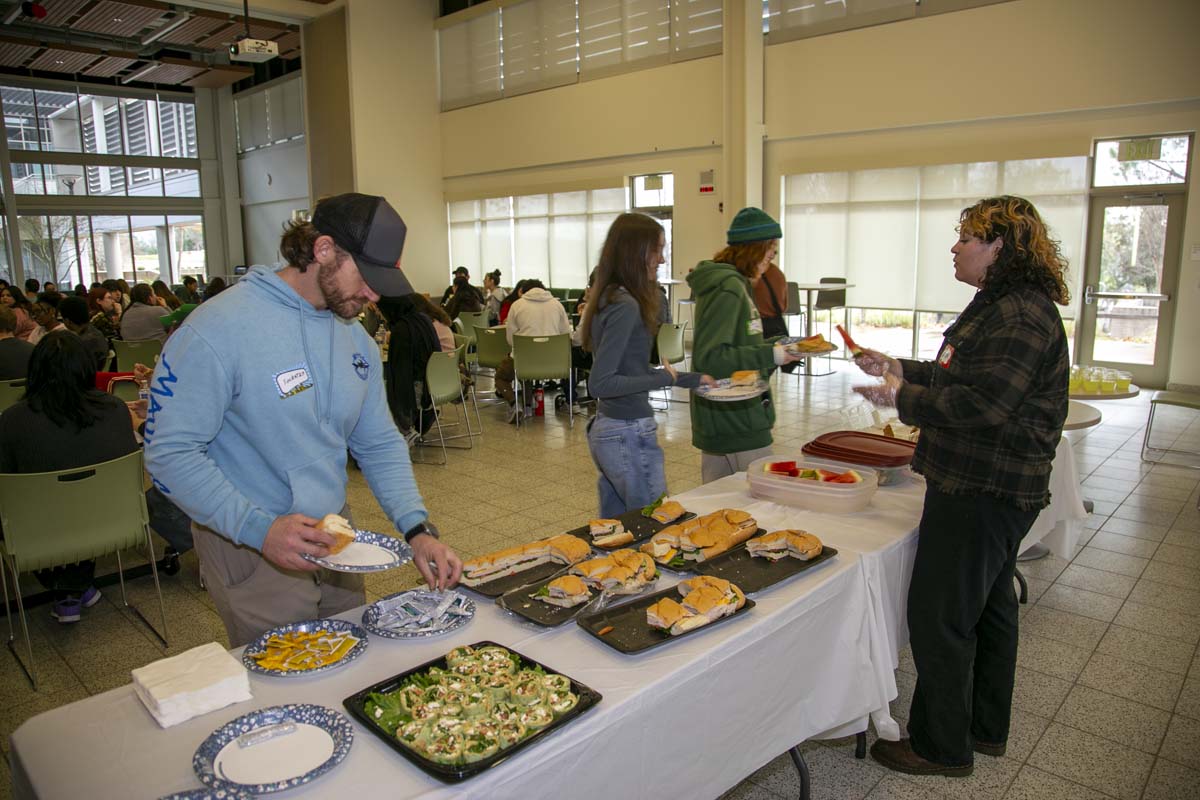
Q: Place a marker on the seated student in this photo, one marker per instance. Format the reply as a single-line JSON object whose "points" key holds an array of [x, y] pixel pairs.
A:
{"points": [[411, 340], [32, 287], [465, 298], [141, 320], [105, 308], [46, 316], [493, 296], [165, 296], [11, 297], [74, 313], [64, 422], [536, 313], [189, 295], [14, 352], [214, 288], [439, 318], [511, 298], [465, 274]]}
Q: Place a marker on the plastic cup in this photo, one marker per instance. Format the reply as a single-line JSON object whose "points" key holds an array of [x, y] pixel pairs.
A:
{"points": [[1108, 381], [1075, 385], [1091, 381], [1124, 379]]}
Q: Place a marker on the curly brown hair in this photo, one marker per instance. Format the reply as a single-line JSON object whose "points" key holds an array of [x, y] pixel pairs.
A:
{"points": [[745, 256], [1027, 257]]}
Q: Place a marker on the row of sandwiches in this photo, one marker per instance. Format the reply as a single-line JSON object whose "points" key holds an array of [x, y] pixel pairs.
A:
{"points": [[608, 533], [705, 599], [619, 572], [562, 549], [782, 544], [701, 538]]}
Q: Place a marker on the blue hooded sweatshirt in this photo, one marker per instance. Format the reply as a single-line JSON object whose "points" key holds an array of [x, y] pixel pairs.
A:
{"points": [[253, 404]]}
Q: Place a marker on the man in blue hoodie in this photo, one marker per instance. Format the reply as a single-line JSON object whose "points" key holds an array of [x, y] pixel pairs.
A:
{"points": [[254, 403]]}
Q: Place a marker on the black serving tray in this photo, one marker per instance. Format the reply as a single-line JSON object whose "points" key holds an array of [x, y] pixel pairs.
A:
{"points": [[631, 634], [542, 573], [641, 527], [752, 574], [520, 603], [450, 773]]}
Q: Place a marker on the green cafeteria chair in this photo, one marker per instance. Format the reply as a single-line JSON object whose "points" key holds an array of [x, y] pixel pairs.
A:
{"points": [[671, 350], [470, 321], [542, 358], [144, 351], [11, 392], [444, 385], [78, 533]]}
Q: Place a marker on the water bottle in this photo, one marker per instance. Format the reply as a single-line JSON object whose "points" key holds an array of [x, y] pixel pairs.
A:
{"points": [[144, 392]]}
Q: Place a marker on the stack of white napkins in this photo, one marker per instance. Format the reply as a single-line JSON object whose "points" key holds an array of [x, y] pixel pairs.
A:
{"points": [[192, 683]]}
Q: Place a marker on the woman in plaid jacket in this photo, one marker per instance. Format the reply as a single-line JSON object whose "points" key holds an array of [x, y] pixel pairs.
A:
{"points": [[991, 408]]}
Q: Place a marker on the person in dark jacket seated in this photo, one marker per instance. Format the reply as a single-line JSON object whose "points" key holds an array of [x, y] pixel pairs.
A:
{"points": [[74, 313], [64, 422], [14, 352], [411, 340]]}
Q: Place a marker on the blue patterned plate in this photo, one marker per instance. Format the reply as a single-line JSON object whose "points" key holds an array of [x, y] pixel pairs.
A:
{"points": [[383, 617], [725, 392], [209, 794], [369, 552], [320, 740], [307, 626]]}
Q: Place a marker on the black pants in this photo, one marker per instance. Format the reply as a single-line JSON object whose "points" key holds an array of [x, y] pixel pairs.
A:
{"points": [[68, 580], [962, 622]]}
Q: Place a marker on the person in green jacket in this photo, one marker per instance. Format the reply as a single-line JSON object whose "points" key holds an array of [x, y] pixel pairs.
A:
{"points": [[728, 337]]}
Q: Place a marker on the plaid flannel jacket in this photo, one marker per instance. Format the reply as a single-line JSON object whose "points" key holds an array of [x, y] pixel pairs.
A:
{"points": [[992, 405]]}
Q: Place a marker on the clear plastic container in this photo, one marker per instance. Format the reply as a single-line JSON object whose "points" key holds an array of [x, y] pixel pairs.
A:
{"points": [[833, 498]]}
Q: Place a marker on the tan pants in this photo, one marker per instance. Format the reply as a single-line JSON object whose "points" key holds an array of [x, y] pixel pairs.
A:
{"points": [[253, 595]]}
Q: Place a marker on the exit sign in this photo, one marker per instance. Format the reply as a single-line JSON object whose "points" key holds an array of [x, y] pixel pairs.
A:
{"points": [[1139, 150]]}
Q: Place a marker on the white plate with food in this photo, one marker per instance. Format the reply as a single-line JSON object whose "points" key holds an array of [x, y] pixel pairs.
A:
{"points": [[360, 551], [815, 345], [305, 648], [742, 385]]}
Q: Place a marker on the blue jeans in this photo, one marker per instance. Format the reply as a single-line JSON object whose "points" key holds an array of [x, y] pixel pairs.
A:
{"points": [[630, 461]]}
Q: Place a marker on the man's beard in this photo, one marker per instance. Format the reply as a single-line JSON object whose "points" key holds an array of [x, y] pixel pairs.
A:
{"points": [[336, 300]]}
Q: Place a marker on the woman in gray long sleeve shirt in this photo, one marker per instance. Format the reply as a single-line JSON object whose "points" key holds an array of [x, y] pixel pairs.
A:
{"points": [[619, 328]]}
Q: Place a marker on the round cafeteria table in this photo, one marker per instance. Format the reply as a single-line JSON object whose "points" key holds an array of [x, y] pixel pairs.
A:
{"points": [[1134, 391]]}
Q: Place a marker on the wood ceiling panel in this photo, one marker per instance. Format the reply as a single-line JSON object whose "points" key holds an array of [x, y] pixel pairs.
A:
{"points": [[195, 29], [171, 73], [110, 66], [69, 61], [112, 18], [258, 30], [15, 54], [58, 12], [220, 77]]}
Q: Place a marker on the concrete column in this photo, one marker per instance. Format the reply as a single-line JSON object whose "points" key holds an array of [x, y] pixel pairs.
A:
{"points": [[165, 274], [112, 256], [742, 100]]}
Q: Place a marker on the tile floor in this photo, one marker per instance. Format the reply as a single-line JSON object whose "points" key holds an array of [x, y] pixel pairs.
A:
{"points": [[1107, 702]]}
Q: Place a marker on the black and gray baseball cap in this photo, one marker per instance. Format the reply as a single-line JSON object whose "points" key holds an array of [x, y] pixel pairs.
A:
{"points": [[370, 230]]}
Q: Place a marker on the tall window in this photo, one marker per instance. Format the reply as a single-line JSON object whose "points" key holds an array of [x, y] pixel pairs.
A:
{"points": [[90, 148], [889, 232], [555, 238]]}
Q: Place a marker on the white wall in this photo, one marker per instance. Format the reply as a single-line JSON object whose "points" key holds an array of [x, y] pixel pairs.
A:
{"points": [[396, 126], [274, 183]]}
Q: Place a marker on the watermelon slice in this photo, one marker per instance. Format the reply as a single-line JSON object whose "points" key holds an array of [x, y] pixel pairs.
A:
{"points": [[855, 350], [849, 476], [826, 475], [781, 466]]}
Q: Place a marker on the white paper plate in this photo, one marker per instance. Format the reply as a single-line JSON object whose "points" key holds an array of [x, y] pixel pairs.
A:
{"points": [[369, 552], [275, 760], [723, 392]]}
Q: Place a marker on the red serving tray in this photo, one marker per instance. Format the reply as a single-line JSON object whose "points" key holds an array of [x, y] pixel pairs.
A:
{"points": [[858, 447]]}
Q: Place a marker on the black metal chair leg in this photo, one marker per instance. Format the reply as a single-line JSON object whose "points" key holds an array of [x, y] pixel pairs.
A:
{"points": [[860, 745], [1023, 598], [802, 768]]}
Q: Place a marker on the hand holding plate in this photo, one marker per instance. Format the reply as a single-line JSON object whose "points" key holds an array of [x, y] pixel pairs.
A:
{"points": [[291, 535]]}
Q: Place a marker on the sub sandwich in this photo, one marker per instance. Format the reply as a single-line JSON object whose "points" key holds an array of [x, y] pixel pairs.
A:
{"points": [[609, 533], [567, 592], [668, 512], [340, 529], [797, 544], [562, 549]]}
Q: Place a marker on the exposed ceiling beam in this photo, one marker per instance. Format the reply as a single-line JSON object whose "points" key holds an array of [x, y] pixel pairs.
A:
{"points": [[165, 29]]}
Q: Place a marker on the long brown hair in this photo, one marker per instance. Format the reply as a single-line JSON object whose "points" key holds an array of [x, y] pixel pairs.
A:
{"points": [[625, 263], [1028, 256], [430, 309], [745, 257]]}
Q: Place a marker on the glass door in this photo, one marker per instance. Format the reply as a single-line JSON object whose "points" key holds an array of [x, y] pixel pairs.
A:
{"points": [[1129, 283]]}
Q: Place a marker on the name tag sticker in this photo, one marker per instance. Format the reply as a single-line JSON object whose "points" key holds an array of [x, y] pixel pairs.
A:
{"points": [[754, 325], [945, 356], [293, 381]]}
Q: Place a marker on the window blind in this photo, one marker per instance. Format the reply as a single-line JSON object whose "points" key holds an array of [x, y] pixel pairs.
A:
{"points": [[541, 45], [791, 19], [469, 61], [889, 231], [613, 33], [695, 28]]}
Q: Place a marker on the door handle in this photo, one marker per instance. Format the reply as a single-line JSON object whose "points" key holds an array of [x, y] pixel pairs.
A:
{"points": [[1090, 294]]}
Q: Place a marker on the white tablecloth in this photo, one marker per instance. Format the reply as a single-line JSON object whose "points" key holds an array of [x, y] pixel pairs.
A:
{"points": [[812, 660]]}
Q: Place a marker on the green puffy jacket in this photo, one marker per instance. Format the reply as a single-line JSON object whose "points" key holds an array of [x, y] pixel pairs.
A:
{"points": [[728, 337]]}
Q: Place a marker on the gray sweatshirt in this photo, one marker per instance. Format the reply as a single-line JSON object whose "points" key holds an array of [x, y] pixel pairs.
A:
{"points": [[621, 376]]}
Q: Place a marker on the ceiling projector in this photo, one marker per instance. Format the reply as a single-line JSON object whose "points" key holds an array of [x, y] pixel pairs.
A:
{"points": [[254, 51]]}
